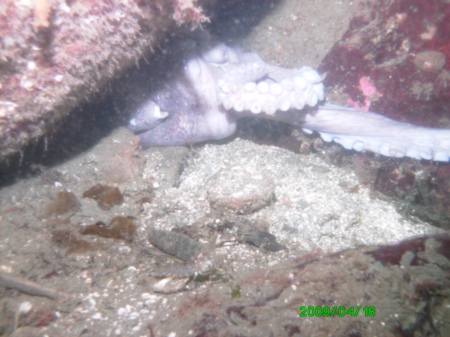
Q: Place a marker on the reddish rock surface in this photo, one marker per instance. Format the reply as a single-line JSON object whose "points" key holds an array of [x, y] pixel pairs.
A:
{"points": [[55, 55], [395, 60]]}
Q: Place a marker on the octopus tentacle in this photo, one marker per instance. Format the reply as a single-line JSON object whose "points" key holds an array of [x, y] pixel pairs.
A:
{"points": [[303, 87], [231, 67], [367, 131]]}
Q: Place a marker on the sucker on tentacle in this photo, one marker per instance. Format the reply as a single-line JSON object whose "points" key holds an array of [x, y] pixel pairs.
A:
{"points": [[220, 85]]}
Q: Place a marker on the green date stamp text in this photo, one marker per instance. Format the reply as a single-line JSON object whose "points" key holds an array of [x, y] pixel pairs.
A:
{"points": [[340, 311]]}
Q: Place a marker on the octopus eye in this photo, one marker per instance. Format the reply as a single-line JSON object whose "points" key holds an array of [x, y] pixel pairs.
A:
{"points": [[216, 55]]}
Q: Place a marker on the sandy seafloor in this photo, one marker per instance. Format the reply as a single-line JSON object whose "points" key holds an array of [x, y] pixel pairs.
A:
{"points": [[310, 205]]}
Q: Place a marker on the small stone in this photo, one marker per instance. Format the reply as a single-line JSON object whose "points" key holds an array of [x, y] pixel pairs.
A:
{"points": [[170, 285], [263, 239], [177, 245]]}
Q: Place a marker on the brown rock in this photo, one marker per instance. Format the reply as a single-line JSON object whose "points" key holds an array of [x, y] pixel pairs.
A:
{"points": [[106, 196], [120, 228], [65, 202]]}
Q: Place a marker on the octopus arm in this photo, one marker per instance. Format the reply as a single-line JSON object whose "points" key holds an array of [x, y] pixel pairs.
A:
{"points": [[367, 131], [220, 85]]}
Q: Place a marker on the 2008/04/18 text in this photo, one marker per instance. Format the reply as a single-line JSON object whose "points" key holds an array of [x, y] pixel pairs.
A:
{"points": [[340, 311]]}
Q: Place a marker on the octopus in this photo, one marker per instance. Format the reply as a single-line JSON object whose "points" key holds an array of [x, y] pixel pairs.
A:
{"points": [[218, 84]]}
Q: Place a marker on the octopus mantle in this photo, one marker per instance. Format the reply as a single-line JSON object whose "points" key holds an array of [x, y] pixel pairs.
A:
{"points": [[219, 85]]}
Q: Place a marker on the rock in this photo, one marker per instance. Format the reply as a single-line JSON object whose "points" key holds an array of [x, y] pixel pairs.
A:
{"points": [[50, 64], [241, 190], [177, 245]]}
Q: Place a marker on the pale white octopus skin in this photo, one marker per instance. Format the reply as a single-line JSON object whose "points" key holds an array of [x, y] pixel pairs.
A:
{"points": [[230, 85]]}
